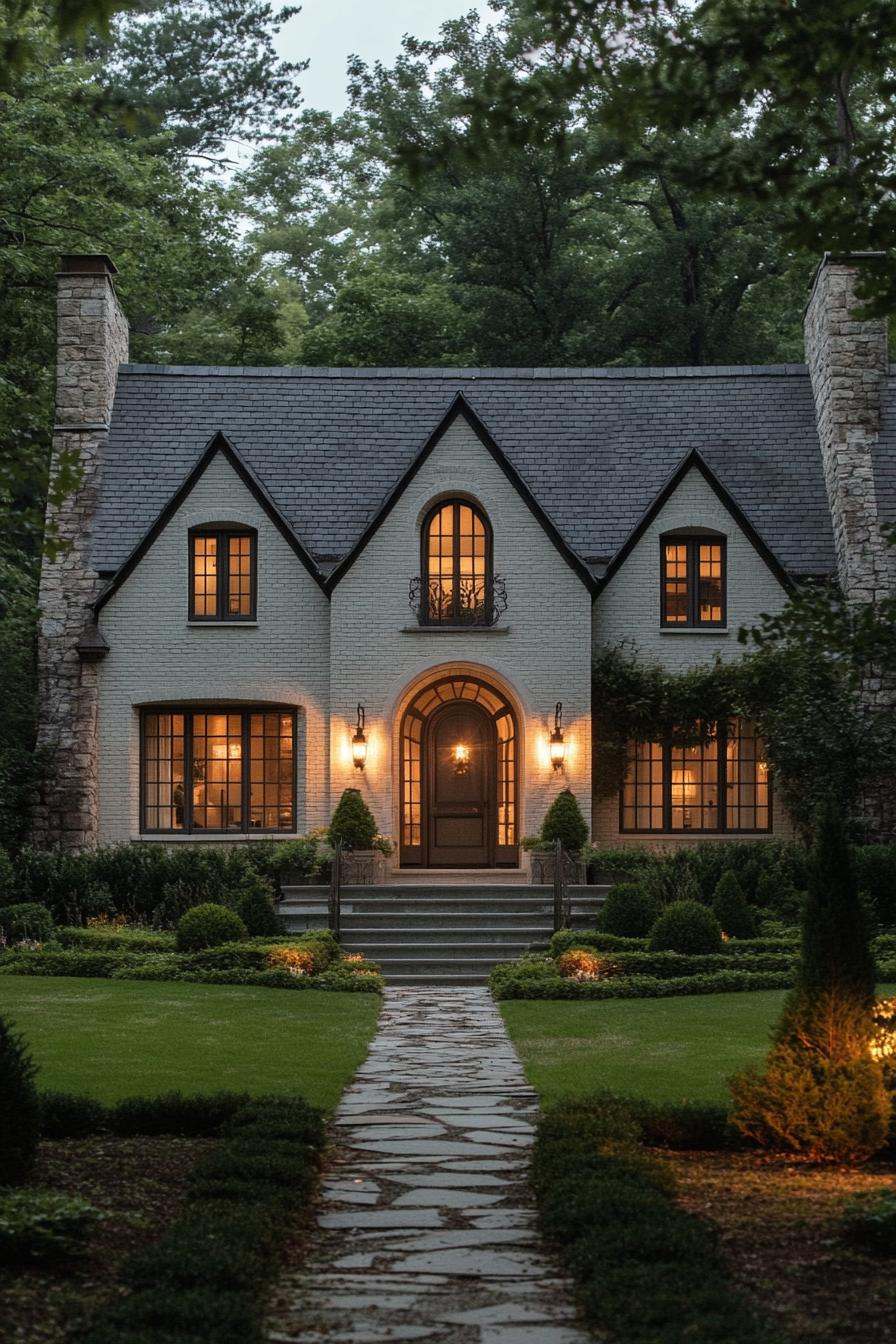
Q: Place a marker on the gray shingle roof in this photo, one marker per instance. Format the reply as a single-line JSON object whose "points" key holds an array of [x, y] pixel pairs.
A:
{"points": [[594, 445]]}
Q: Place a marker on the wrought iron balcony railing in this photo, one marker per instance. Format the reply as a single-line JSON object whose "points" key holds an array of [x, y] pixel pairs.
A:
{"points": [[467, 602]]}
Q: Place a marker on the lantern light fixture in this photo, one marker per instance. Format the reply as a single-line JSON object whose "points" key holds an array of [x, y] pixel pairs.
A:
{"points": [[359, 741], [558, 745], [460, 757]]}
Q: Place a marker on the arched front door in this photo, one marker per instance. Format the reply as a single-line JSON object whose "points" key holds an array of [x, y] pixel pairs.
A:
{"points": [[458, 777]]}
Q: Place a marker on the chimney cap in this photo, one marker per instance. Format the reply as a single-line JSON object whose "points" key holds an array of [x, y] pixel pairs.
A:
{"points": [[86, 263]]}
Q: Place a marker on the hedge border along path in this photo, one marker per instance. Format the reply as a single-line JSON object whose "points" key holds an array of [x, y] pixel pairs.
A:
{"points": [[427, 1229]]}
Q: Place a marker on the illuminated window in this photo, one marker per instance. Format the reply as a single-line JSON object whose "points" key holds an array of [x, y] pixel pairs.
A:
{"points": [[457, 566], [218, 770], [692, 581], [721, 784], [222, 575]]}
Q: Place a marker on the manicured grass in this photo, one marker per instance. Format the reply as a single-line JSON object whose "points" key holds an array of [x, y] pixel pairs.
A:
{"points": [[662, 1049], [123, 1038]]}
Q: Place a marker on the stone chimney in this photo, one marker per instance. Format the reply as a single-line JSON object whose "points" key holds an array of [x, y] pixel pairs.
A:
{"points": [[847, 358], [91, 342]]}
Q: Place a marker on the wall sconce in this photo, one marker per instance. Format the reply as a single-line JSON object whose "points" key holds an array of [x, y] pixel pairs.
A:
{"points": [[558, 746], [359, 741], [460, 758]]}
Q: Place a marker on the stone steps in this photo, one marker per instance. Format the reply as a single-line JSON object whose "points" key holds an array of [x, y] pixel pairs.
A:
{"points": [[435, 934]]}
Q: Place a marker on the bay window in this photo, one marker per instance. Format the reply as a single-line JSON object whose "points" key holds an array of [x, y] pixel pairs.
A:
{"points": [[717, 785], [225, 771]]}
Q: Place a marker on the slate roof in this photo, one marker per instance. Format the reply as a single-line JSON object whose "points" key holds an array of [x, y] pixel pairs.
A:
{"points": [[595, 446]]}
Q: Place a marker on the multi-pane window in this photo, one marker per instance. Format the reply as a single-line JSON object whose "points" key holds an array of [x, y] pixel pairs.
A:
{"points": [[720, 784], [692, 581], [222, 575], [218, 770], [456, 565]]}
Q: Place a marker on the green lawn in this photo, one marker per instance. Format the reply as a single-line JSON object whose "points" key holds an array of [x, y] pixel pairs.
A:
{"points": [[677, 1049], [122, 1038]]}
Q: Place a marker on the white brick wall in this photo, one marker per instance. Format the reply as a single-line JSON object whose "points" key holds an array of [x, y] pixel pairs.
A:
{"points": [[542, 657], [629, 609], [156, 656]]}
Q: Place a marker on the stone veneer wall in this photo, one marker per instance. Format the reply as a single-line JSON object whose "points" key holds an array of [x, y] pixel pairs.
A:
{"points": [[848, 364], [92, 340], [847, 359]]}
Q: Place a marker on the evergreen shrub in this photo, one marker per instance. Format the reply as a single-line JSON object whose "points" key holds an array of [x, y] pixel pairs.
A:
{"points": [[253, 900], [63, 1115], [821, 1093], [19, 1108], [564, 822], [729, 905], [208, 925], [629, 911], [29, 920], [353, 822], [43, 1225], [686, 926]]}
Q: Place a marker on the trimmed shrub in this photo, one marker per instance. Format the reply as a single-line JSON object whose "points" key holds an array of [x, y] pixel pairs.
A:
{"points": [[564, 822], [686, 926], [646, 1271], [822, 1094], [208, 925], [353, 822], [40, 1225], [173, 1113], [687, 1127], [66, 1116], [629, 911], [111, 939], [527, 982], [876, 874], [20, 1110], [870, 1221], [729, 905], [564, 939], [253, 900], [27, 921]]}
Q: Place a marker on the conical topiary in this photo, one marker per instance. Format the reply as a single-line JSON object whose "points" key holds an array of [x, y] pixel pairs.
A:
{"points": [[822, 1094], [253, 900], [353, 822], [564, 822], [729, 905], [20, 1110]]}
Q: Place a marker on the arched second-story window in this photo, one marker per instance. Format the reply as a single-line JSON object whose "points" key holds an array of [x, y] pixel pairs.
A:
{"points": [[457, 565]]}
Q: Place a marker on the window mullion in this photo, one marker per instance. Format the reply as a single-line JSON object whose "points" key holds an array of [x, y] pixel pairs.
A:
{"points": [[188, 772], [223, 569], [722, 755], [455, 561], [245, 720], [693, 582], [667, 786]]}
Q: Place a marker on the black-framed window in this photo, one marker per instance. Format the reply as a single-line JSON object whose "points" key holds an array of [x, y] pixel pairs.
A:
{"points": [[217, 771], [692, 582], [457, 564], [223, 582], [720, 785]]}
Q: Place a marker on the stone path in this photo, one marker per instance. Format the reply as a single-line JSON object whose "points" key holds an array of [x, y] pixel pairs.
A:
{"points": [[427, 1228]]}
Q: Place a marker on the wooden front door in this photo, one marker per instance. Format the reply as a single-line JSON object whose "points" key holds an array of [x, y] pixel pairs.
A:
{"points": [[459, 787]]}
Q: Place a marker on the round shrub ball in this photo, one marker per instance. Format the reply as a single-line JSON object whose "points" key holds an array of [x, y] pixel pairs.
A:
{"points": [[208, 925], [686, 926], [30, 920], [629, 911]]}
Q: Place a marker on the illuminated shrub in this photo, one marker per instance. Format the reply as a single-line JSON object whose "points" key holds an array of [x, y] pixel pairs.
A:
{"points": [[296, 960], [579, 964]]}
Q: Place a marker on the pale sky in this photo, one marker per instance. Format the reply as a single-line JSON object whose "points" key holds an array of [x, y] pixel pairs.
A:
{"points": [[328, 31]]}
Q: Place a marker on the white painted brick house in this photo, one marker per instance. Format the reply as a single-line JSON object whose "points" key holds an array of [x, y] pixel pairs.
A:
{"points": [[267, 566]]}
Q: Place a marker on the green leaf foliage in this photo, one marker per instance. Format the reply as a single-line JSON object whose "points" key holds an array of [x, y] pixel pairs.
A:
{"points": [[686, 926], [564, 822], [729, 905], [20, 1112], [206, 926], [628, 911], [353, 822]]}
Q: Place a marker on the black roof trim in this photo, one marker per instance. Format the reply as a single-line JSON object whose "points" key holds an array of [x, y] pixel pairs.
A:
{"points": [[219, 443], [461, 407], [694, 459]]}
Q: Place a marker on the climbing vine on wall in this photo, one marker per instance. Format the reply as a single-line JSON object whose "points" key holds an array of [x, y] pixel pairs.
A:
{"points": [[634, 701]]}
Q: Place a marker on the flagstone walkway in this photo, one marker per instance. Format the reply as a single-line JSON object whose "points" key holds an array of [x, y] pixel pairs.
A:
{"points": [[427, 1227]]}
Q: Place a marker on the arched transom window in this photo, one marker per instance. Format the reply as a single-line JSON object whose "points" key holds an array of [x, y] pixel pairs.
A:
{"points": [[457, 565]]}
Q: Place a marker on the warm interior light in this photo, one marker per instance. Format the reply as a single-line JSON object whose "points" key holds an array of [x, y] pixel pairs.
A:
{"points": [[558, 746], [684, 786], [359, 741], [460, 757]]}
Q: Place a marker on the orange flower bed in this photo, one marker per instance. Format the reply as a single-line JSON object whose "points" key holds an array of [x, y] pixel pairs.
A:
{"points": [[579, 964], [296, 960]]}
